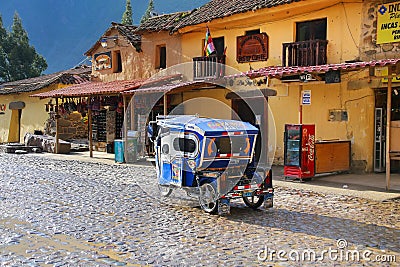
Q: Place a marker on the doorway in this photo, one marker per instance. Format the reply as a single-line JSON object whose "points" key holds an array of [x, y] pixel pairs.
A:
{"points": [[257, 116], [311, 30], [14, 131], [380, 129]]}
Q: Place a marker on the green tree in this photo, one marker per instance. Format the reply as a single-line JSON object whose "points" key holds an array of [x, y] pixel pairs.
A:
{"points": [[20, 60], [127, 16], [149, 12], [3, 56]]}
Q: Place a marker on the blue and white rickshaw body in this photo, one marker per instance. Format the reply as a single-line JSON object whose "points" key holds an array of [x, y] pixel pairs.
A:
{"points": [[211, 158]]}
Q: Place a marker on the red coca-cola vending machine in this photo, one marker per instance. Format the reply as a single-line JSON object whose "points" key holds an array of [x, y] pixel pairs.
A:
{"points": [[299, 151]]}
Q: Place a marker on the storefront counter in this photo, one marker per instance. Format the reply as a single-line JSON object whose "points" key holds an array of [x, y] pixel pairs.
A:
{"points": [[332, 156], [395, 136]]}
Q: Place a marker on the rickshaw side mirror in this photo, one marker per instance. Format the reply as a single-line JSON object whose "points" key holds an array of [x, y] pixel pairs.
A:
{"points": [[165, 149], [152, 130]]}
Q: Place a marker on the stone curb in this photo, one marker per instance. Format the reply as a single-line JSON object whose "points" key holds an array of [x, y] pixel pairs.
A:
{"points": [[366, 194]]}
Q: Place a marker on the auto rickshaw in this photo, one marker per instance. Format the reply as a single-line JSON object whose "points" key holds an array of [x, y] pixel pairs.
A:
{"points": [[212, 160]]}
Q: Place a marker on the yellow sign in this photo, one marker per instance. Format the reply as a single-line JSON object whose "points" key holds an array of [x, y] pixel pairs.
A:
{"points": [[385, 72], [388, 28]]}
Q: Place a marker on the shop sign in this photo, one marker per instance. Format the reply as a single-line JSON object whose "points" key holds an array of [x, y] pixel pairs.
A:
{"points": [[388, 28], [385, 72], [306, 77], [103, 61], [252, 48], [332, 76], [306, 97]]}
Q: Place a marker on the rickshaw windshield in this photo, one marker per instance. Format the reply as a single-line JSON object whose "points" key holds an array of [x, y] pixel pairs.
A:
{"points": [[231, 144], [184, 145]]}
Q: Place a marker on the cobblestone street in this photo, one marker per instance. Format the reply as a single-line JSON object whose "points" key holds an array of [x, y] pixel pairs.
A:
{"points": [[72, 213]]}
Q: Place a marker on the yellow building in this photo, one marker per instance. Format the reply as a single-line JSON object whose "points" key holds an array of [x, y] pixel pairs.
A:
{"points": [[20, 113], [325, 49], [262, 34]]}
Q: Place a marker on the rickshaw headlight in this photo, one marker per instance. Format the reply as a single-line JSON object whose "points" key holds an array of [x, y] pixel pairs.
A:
{"points": [[192, 164]]}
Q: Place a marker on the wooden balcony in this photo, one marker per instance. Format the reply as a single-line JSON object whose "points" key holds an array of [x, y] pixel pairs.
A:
{"points": [[208, 67], [305, 53]]}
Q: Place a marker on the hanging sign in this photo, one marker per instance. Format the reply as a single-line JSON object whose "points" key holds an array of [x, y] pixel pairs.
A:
{"points": [[252, 48], [306, 97], [388, 27], [103, 61], [332, 76], [306, 77]]}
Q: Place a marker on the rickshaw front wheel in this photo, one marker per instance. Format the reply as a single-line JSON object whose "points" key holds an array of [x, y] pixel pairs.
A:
{"points": [[165, 190], [208, 198], [254, 201]]}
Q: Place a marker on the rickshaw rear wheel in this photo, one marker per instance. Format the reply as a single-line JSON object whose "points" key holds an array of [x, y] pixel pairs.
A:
{"points": [[165, 190], [208, 198], [254, 201]]}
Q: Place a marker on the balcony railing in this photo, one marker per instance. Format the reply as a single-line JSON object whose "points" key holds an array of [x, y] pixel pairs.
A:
{"points": [[208, 67], [305, 53]]}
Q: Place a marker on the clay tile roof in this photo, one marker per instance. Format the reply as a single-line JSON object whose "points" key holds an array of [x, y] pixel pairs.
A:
{"points": [[162, 88], [92, 88], [278, 71], [106, 88], [73, 76], [223, 8], [127, 31], [166, 22]]}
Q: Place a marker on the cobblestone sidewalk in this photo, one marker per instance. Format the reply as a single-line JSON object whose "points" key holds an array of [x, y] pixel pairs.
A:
{"points": [[72, 213]]}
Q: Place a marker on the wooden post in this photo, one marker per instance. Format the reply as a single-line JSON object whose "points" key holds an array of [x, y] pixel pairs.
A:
{"points": [[125, 126], [57, 130], [165, 104], [132, 105], [388, 121], [300, 104], [265, 139], [125, 102], [90, 130]]}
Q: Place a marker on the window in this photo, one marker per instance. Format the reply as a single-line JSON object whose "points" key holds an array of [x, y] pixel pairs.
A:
{"points": [[219, 44], [232, 144], [161, 57], [117, 62], [185, 145], [311, 30]]}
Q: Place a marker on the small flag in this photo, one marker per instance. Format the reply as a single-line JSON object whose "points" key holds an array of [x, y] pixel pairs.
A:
{"points": [[209, 47]]}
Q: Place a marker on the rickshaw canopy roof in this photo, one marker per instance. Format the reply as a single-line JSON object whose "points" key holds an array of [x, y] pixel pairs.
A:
{"points": [[208, 126]]}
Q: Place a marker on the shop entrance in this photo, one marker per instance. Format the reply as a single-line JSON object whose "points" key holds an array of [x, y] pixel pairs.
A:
{"points": [[255, 115], [380, 129]]}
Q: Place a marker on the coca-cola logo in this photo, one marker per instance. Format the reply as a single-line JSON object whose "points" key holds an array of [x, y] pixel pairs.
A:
{"points": [[311, 144]]}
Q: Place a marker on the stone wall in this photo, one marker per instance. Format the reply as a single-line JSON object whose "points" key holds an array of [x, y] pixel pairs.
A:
{"points": [[70, 126], [369, 50]]}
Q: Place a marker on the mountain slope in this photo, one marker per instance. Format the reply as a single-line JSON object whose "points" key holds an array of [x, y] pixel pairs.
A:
{"points": [[62, 31]]}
